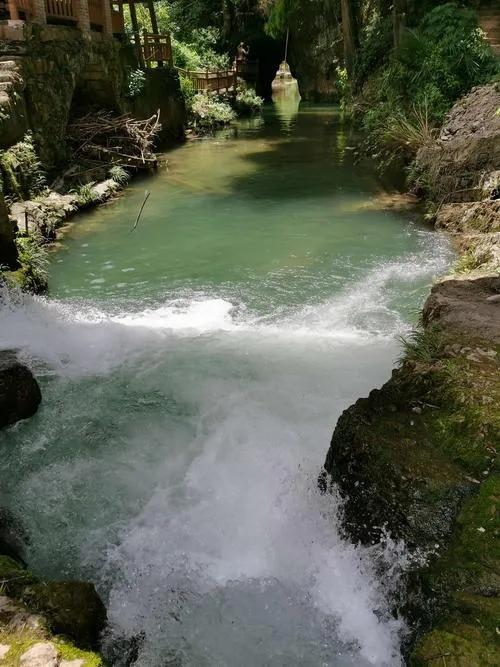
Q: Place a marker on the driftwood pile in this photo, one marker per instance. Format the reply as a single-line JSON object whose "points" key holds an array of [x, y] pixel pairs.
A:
{"points": [[106, 137]]}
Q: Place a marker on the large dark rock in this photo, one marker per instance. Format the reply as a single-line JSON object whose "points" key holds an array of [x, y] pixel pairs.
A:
{"points": [[417, 460], [19, 391], [71, 608]]}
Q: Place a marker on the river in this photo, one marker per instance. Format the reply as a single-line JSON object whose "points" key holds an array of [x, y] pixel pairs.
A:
{"points": [[192, 373]]}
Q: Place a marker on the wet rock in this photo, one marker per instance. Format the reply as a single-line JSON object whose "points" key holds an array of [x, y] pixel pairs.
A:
{"points": [[14, 577], [19, 391], [15, 619], [43, 654], [13, 536], [71, 608], [462, 306]]}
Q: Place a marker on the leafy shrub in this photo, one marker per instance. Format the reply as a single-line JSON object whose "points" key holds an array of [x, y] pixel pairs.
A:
{"points": [[34, 263], [136, 82], [345, 91], [86, 195], [376, 43], [247, 101], [185, 56], [22, 172], [187, 90], [410, 131], [209, 112], [196, 56], [436, 63], [423, 345], [119, 174]]}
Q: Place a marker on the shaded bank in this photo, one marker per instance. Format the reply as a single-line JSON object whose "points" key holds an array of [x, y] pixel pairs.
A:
{"points": [[417, 459]]}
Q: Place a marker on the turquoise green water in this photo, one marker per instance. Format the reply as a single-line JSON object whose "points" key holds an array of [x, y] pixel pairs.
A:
{"points": [[192, 372]]}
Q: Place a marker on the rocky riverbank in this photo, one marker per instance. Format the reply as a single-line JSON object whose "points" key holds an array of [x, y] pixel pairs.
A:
{"points": [[45, 623], [417, 459]]}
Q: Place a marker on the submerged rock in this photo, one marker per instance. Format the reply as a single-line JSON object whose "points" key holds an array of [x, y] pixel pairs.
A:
{"points": [[19, 391]]}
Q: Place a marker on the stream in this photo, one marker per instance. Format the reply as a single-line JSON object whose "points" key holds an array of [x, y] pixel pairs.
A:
{"points": [[192, 373]]}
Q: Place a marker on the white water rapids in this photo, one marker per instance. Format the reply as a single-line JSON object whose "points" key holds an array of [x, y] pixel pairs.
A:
{"points": [[174, 462]]}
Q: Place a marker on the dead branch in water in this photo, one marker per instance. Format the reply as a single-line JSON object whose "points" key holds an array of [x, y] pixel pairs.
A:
{"points": [[116, 139], [146, 197]]}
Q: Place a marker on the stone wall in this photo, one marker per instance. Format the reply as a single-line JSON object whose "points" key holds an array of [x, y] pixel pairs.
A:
{"points": [[62, 67]]}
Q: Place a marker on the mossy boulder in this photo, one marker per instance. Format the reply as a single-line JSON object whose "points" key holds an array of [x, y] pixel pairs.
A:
{"points": [[71, 608], [14, 577], [417, 459]]}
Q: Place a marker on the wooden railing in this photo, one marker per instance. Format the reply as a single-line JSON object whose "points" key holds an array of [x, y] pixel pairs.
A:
{"points": [[61, 9], [247, 69], [211, 81], [156, 48]]}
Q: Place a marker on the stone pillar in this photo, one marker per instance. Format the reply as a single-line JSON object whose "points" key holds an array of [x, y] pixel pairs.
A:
{"points": [[108, 20], [38, 11], [82, 14]]}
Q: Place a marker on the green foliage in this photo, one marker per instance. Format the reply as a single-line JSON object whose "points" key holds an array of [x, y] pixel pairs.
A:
{"points": [[200, 53], [409, 131], [281, 14], [376, 42], [22, 172], [188, 91], [86, 195], [468, 262], [423, 345], [344, 88], [436, 64], [119, 174], [34, 263], [135, 82], [185, 56], [209, 112], [247, 101]]}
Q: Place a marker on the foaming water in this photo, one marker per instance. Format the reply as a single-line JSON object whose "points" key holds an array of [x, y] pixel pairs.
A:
{"points": [[187, 412]]}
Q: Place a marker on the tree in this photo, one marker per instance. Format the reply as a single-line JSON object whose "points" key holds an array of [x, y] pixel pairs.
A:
{"points": [[349, 35]]}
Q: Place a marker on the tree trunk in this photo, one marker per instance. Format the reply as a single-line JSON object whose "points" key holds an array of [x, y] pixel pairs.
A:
{"points": [[348, 32]]}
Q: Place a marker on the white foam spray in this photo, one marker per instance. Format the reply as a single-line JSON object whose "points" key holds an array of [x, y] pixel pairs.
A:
{"points": [[202, 524]]}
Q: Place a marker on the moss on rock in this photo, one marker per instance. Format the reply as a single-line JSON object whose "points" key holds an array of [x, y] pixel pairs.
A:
{"points": [[71, 608], [417, 459]]}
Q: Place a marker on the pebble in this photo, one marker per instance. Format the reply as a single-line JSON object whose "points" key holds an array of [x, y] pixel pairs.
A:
{"points": [[4, 649], [71, 663]]}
